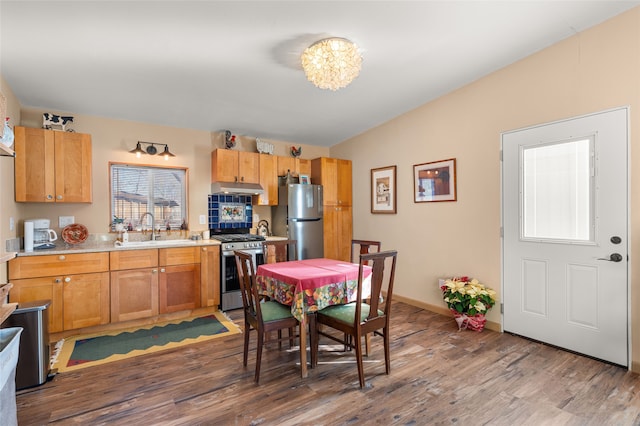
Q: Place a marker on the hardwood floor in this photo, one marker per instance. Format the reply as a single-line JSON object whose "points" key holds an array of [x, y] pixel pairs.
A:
{"points": [[438, 376]]}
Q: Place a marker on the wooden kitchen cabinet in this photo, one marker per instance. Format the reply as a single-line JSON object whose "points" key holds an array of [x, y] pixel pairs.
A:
{"points": [[338, 225], [76, 284], [179, 279], [295, 166], [335, 177], [210, 276], [268, 181], [85, 300], [45, 288], [134, 284], [52, 166], [235, 166]]}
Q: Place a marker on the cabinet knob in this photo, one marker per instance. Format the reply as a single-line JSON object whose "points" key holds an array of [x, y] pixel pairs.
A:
{"points": [[49, 197], [57, 281], [161, 269], [62, 257], [204, 249], [59, 197], [154, 271], [67, 279]]}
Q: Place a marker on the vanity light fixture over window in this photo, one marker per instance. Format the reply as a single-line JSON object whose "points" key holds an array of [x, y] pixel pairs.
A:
{"points": [[151, 149]]}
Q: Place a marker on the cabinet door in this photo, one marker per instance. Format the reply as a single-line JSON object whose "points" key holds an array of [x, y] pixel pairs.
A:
{"points": [[343, 191], [324, 171], [73, 167], [337, 232], [210, 276], [86, 300], [268, 180], [179, 288], [287, 164], [34, 165], [34, 289], [224, 165], [134, 294], [248, 167], [304, 167]]}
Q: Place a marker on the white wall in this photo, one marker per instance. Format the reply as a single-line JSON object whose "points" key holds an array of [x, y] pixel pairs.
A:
{"points": [[592, 71]]}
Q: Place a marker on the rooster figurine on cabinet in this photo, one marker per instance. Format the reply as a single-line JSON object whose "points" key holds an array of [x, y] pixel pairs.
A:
{"points": [[295, 152], [229, 139]]}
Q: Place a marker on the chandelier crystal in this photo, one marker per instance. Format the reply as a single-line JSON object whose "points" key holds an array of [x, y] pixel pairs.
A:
{"points": [[331, 63]]}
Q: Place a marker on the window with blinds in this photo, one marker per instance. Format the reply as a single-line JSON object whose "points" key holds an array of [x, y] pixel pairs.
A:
{"points": [[137, 190]]}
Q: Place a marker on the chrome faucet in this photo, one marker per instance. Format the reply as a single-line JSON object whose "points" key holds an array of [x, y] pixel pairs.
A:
{"points": [[153, 224]]}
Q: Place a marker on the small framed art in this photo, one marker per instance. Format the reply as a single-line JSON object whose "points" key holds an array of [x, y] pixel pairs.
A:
{"points": [[383, 190], [304, 179], [435, 181]]}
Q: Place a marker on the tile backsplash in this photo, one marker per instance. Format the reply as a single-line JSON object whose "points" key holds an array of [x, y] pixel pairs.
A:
{"points": [[230, 211]]}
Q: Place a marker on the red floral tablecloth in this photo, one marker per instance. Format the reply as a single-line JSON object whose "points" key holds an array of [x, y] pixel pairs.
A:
{"points": [[312, 284]]}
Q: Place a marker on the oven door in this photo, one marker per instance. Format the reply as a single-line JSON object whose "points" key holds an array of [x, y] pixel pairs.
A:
{"points": [[229, 281]]}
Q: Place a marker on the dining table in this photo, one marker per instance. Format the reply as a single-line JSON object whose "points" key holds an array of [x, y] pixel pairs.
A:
{"points": [[310, 285]]}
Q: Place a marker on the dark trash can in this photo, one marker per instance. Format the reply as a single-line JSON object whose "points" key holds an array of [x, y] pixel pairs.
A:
{"points": [[33, 357]]}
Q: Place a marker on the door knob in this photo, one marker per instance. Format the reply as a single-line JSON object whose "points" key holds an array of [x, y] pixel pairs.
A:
{"points": [[613, 257], [616, 240]]}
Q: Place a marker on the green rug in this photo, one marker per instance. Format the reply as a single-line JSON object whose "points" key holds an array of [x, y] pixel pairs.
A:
{"points": [[89, 350]]}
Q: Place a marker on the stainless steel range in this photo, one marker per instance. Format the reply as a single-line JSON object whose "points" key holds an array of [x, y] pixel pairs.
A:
{"points": [[230, 297]]}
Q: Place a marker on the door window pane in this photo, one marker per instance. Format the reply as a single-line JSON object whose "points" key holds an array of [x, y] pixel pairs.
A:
{"points": [[557, 191]]}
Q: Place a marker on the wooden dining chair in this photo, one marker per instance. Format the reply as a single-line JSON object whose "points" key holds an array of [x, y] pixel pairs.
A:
{"points": [[359, 318], [364, 247], [279, 250], [260, 315]]}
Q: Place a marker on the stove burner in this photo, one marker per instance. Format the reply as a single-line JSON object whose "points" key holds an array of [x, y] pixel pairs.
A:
{"points": [[237, 238]]}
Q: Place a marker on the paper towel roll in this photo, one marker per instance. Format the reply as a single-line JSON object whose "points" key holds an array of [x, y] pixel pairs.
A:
{"points": [[28, 236]]}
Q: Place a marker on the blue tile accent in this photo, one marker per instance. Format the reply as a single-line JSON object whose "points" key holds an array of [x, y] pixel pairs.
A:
{"points": [[216, 203]]}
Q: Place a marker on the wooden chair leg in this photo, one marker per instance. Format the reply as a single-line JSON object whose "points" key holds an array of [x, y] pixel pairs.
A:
{"points": [[313, 338], [387, 354], [358, 344], [247, 329], [259, 355], [279, 339], [367, 343]]}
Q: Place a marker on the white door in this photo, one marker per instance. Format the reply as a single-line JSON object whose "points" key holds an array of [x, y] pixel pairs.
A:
{"points": [[565, 234]]}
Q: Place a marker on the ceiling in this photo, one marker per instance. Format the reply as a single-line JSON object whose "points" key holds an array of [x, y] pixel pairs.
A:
{"points": [[216, 65]]}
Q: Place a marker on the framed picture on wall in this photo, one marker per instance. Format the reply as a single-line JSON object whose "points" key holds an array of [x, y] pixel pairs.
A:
{"points": [[304, 179], [435, 181], [383, 190]]}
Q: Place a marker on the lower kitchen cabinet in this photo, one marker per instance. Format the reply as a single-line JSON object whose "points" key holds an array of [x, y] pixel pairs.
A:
{"points": [[179, 288], [179, 279], [134, 294], [210, 276], [94, 289], [45, 288], [76, 284], [85, 300], [134, 284]]}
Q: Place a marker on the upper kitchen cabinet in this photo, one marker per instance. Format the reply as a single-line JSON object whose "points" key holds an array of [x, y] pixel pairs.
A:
{"points": [[52, 166], [235, 166], [295, 166], [335, 177], [268, 181]]}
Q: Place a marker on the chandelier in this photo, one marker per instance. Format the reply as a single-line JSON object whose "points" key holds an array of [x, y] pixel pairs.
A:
{"points": [[331, 63]]}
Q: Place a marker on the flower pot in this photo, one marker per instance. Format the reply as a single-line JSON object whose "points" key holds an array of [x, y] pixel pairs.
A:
{"points": [[472, 322]]}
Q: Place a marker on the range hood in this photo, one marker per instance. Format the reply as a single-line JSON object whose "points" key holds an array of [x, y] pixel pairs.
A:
{"points": [[236, 188]]}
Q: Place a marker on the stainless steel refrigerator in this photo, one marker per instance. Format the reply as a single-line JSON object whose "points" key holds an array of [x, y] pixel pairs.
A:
{"points": [[299, 217]]}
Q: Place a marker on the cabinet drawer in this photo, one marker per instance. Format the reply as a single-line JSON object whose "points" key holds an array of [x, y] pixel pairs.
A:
{"points": [[57, 264], [179, 256], [133, 259]]}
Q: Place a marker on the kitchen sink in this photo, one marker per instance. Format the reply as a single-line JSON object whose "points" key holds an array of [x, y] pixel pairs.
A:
{"points": [[156, 243]]}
